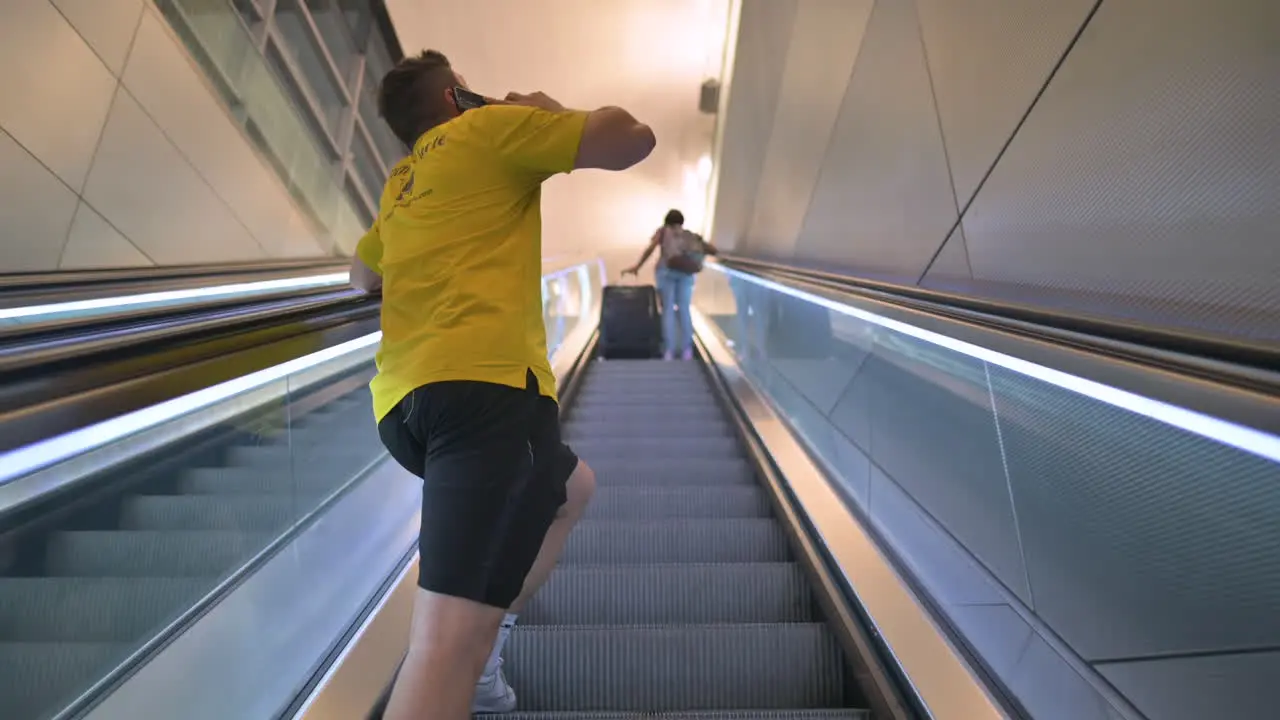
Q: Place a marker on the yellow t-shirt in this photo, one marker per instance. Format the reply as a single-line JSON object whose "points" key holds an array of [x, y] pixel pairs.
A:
{"points": [[458, 243]]}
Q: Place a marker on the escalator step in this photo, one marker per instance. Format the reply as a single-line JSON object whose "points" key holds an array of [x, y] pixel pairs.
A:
{"points": [[686, 594], [37, 679], [281, 458], [680, 448], [690, 715], [252, 513], [54, 609], [622, 502], [619, 428], [654, 669], [251, 480], [145, 553], [598, 542], [644, 414], [662, 471]]}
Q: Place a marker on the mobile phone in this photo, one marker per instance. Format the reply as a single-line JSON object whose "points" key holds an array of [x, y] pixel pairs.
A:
{"points": [[466, 100]]}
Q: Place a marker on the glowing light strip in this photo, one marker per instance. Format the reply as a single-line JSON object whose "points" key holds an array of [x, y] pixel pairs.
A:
{"points": [[169, 295], [31, 458], [1228, 433]]}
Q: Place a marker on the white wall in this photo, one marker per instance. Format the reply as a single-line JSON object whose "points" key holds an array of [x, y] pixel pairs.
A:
{"points": [[115, 152]]}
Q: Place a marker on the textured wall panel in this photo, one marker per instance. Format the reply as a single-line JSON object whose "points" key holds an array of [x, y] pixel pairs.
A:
{"points": [[93, 243], [35, 211], [825, 39], [147, 190], [764, 31], [1196, 688], [951, 267], [924, 397], [1145, 184], [988, 59], [173, 93], [107, 25], [54, 92], [1140, 538], [883, 203]]}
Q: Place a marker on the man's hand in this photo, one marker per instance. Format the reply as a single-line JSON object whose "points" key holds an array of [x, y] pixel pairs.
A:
{"points": [[537, 99]]}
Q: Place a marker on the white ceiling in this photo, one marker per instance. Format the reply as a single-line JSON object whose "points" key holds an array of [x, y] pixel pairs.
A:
{"points": [[648, 56]]}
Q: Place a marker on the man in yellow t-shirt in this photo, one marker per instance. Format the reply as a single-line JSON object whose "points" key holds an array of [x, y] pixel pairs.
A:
{"points": [[464, 395]]}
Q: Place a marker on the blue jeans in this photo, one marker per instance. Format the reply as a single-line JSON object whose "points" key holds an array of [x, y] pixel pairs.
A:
{"points": [[676, 289]]}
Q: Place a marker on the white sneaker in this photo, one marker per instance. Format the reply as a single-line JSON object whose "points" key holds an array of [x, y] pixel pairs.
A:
{"points": [[493, 694], [687, 354], [668, 355]]}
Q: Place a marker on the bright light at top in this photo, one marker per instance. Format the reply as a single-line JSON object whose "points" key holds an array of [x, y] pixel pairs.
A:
{"points": [[704, 168]]}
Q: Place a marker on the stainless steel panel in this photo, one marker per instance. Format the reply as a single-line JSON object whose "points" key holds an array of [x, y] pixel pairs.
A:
{"points": [[988, 59], [1195, 688], [934, 434], [764, 31], [35, 210], [54, 92], [997, 632], [1143, 185], [950, 269], [107, 25], [145, 187], [825, 39], [178, 98], [1044, 681], [93, 243], [883, 202], [1140, 538]]}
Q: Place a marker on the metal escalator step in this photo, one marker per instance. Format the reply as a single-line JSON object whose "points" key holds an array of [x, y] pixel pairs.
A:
{"points": [[657, 393], [686, 594], [38, 679], [674, 427], [255, 480], [70, 609], [149, 553], [645, 413], [599, 542], [664, 668], [622, 502], [693, 448], [253, 513], [841, 714], [673, 405], [285, 456], [661, 471]]}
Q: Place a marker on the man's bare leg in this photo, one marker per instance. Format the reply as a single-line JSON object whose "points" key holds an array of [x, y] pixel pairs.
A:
{"points": [[448, 645], [493, 692]]}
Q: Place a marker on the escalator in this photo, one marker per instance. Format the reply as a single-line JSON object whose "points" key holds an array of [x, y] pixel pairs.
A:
{"points": [[100, 578], [678, 591]]}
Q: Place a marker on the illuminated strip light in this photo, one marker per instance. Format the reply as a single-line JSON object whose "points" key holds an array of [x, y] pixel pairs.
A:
{"points": [[26, 460], [1248, 439], [169, 295]]}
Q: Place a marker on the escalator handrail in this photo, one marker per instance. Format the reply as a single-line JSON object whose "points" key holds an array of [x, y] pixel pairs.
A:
{"points": [[34, 332], [126, 372], [83, 344], [1225, 360], [66, 282]]}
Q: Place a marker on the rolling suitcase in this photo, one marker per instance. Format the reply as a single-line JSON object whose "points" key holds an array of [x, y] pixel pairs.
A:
{"points": [[629, 323]]}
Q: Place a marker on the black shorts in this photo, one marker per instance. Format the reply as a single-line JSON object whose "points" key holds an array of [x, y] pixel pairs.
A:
{"points": [[494, 473]]}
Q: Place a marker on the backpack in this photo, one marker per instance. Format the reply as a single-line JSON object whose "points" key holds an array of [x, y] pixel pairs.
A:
{"points": [[690, 254]]}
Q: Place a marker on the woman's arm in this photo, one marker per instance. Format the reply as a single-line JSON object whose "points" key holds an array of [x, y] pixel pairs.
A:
{"points": [[653, 245]]}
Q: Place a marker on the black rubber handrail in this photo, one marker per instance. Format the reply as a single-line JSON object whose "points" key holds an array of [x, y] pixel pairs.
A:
{"points": [[33, 332], [40, 288], [75, 382], [1234, 362]]}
